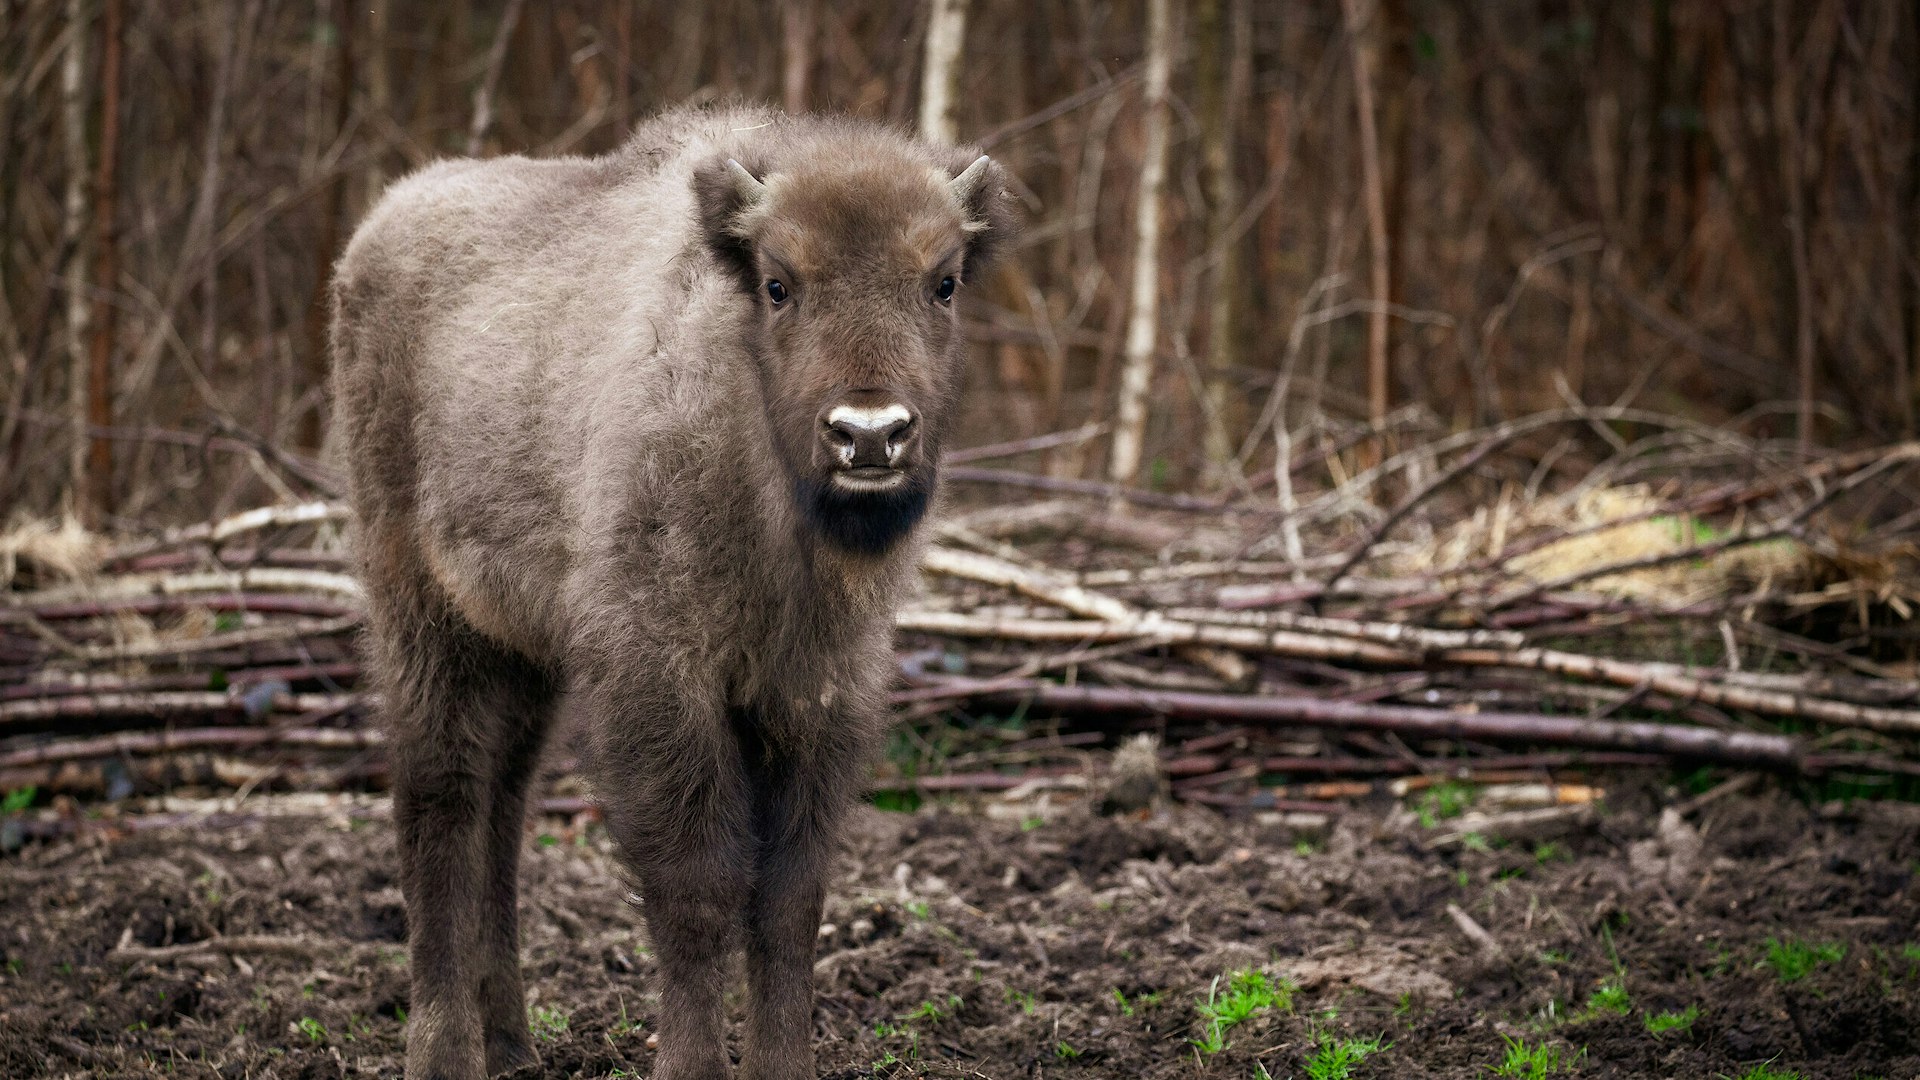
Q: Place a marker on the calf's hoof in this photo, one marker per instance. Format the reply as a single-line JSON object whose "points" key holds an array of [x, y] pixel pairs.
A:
{"points": [[436, 1063], [791, 1066], [506, 1054], [705, 1068]]}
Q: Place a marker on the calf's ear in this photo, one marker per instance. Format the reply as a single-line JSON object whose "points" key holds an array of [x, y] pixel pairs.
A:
{"points": [[729, 200], [980, 183]]}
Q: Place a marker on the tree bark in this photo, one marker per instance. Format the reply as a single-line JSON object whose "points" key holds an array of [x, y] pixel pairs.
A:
{"points": [[490, 84], [940, 77], [797, 29], [1397, 126], [1909, 263], [623, 68], [73, 122], [312, 416], [1222, 35], [202, 229], [107, 269], [1786, 105], [1379, 268], [379, 86], [1136, 372]]}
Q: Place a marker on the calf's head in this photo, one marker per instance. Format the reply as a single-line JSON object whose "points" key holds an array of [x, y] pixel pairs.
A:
{"points": [[856, 254]]}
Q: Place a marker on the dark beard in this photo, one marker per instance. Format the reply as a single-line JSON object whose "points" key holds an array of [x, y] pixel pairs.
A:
{"points": [[863, 522]]}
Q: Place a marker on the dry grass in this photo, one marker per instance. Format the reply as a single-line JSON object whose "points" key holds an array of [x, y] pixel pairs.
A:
{"points": [[1775, 562], [1643, 532], [49, 551]]}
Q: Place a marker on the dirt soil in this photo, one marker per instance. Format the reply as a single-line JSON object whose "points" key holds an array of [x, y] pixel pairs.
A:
{"points": [[963, 945]]}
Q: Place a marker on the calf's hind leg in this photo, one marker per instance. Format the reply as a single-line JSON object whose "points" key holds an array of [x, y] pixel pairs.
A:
{"points": [[466, 719], [528, 710]]}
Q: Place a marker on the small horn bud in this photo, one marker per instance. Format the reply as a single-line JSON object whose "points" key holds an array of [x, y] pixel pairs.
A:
{"points": [[968, 182], [750, 191]]}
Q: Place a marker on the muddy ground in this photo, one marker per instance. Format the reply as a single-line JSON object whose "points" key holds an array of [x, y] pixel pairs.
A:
{"points": [[963, 945]]}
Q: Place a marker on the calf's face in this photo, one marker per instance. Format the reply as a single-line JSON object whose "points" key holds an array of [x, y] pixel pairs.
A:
{"points": [[857, 266]]}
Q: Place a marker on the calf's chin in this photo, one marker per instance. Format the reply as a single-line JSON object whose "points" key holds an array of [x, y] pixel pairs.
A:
{"points": [[864, 522]]}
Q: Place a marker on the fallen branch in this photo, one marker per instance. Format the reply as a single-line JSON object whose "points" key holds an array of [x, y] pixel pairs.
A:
{"points": [[1703, 744], [1476, 933], [966, 474], [158, 705], [257, 603], [1056, 589], [290, 948], [1191, 764], [263, 579], [175, 648], [1150, 633], [1683, 686], [212, 738], [264, 517]]}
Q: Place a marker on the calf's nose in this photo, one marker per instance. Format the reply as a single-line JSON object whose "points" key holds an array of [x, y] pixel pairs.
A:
{"points": [[869, 437]]}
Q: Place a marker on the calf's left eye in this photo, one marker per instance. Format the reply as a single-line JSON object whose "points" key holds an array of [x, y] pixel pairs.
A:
{"points": [[944, 291]]}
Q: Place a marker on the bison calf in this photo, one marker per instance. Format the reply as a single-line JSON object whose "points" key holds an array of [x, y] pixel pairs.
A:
{"points": [[653, 431]]}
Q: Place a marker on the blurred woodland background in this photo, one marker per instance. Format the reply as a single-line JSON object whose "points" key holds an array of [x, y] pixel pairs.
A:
{"points": [[1251, 225]]}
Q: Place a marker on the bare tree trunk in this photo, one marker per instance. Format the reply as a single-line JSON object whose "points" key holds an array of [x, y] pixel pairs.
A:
{"points": [[235, 39], [1222, 35], [1786, 119], [19, 367], [1143, 327], [1394, 31], [623, 68], [107, 269], [940, 76], [1909, 263], [490, 85], [73, 122], [309, 407], [379, 87], [798, 18], [1378, 267]]}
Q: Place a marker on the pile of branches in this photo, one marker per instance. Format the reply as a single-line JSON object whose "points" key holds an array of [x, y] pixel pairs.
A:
{"points": [[1431, 644]]}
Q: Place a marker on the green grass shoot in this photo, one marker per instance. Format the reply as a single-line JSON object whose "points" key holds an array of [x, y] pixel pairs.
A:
{"points": [[1532, 1062], [1248, 994], [1793, 960], [1336, 1057]]}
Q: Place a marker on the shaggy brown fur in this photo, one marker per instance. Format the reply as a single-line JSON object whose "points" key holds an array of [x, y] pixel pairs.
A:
{"points": [[592, 455]]}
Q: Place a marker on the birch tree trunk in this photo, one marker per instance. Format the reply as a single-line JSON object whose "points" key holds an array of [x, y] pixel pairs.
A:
{"points": [[1136, 371], [940, 76], [73, 123]]}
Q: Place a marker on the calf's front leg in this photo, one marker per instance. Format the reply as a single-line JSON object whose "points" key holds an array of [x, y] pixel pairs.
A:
{"points": [[676, 805], [798, 802]]}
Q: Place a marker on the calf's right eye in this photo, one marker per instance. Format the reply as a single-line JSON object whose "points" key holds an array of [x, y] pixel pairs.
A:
{"points": [[776, 292]]}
